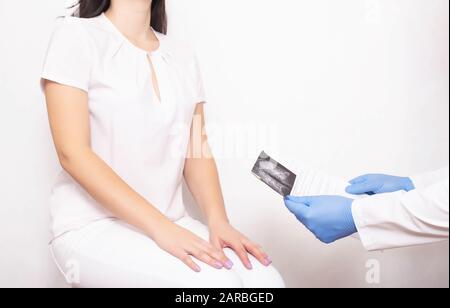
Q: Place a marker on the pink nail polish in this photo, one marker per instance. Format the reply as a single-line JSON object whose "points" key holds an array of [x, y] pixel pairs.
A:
{"points": [[229, 265], [198, 269], [249, 266], [268, 261], [218, 265]]}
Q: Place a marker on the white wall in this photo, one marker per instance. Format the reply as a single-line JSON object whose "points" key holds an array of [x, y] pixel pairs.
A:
{"points": [[347, 86]]}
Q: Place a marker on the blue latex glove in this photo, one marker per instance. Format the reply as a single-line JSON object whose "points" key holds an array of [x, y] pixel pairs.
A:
{"points": [[329, 218], [378, 184]]}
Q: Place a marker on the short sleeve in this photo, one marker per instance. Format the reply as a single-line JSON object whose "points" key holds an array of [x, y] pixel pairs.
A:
{"points": [[199, 87], [68, 60]]}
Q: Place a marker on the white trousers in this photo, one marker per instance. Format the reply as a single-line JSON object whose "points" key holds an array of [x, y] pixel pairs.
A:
{"points": [[111, 254]]}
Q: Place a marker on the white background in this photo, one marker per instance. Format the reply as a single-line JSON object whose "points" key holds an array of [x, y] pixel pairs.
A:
{"points": [[346, 86]]}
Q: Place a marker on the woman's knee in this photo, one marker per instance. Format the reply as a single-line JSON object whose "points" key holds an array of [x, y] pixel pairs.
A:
{"points": [[272, 277], [263, 277], [213, 278]]}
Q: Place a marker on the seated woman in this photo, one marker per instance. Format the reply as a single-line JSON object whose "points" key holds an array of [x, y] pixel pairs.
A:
{"points": [[125, 109]]}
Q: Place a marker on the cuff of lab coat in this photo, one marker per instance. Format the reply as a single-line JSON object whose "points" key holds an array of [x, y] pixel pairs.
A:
{"points": [[378, 219], [425, 180], [420, 182], [361, 223]]}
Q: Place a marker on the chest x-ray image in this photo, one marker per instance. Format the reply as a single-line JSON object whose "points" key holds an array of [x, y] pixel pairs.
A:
{"points": [[278, 177]]}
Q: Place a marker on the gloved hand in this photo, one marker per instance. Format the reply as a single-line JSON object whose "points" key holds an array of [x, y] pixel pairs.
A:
{"points": [[378, 184], [329, 218]]}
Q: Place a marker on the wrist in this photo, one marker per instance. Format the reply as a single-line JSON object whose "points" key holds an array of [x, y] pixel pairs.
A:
{"points": [[153, 228], [408, 184], [217, 220], [351, 225]]}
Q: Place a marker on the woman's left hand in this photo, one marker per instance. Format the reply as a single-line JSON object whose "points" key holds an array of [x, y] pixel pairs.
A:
{"points": [[223, 235]]}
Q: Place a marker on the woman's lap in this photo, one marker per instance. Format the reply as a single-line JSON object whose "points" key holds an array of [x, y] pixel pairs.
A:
{"points": [[110, 253]]}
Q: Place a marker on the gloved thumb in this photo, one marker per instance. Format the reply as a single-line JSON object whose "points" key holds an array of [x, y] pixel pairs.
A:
{"points": [[304, 200], [359, 179], [299, 209], [361, 188]]}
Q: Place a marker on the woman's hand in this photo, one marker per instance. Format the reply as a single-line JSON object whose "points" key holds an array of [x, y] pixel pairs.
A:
{"points": [[223, 235], [184, 245]]}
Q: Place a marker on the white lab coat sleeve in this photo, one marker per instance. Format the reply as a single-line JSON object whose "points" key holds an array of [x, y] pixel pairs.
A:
{"points": [[403, 219], [428, 179]]}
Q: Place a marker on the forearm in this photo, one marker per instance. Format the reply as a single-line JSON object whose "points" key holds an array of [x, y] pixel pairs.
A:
{"points": [[424, 180], [108, 189], [403, 219], [203, 181]]}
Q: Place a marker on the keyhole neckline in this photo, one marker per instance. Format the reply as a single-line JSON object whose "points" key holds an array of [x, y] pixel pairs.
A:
{"points": [[159, 36]]}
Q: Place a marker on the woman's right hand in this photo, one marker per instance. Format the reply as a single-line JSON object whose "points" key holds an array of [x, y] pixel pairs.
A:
{"points": [[185, 245]]}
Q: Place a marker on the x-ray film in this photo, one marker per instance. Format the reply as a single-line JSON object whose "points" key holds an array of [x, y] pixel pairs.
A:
{"points": [[278, 177]]}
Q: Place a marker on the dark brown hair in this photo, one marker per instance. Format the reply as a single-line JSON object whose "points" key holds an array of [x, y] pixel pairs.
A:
{"points": [[93, 8]]}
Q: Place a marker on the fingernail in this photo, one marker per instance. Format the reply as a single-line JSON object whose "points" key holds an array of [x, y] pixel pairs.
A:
{"points": [[198, 269], [268, 261], [218, 265], [229, 265], [249, 266]]}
